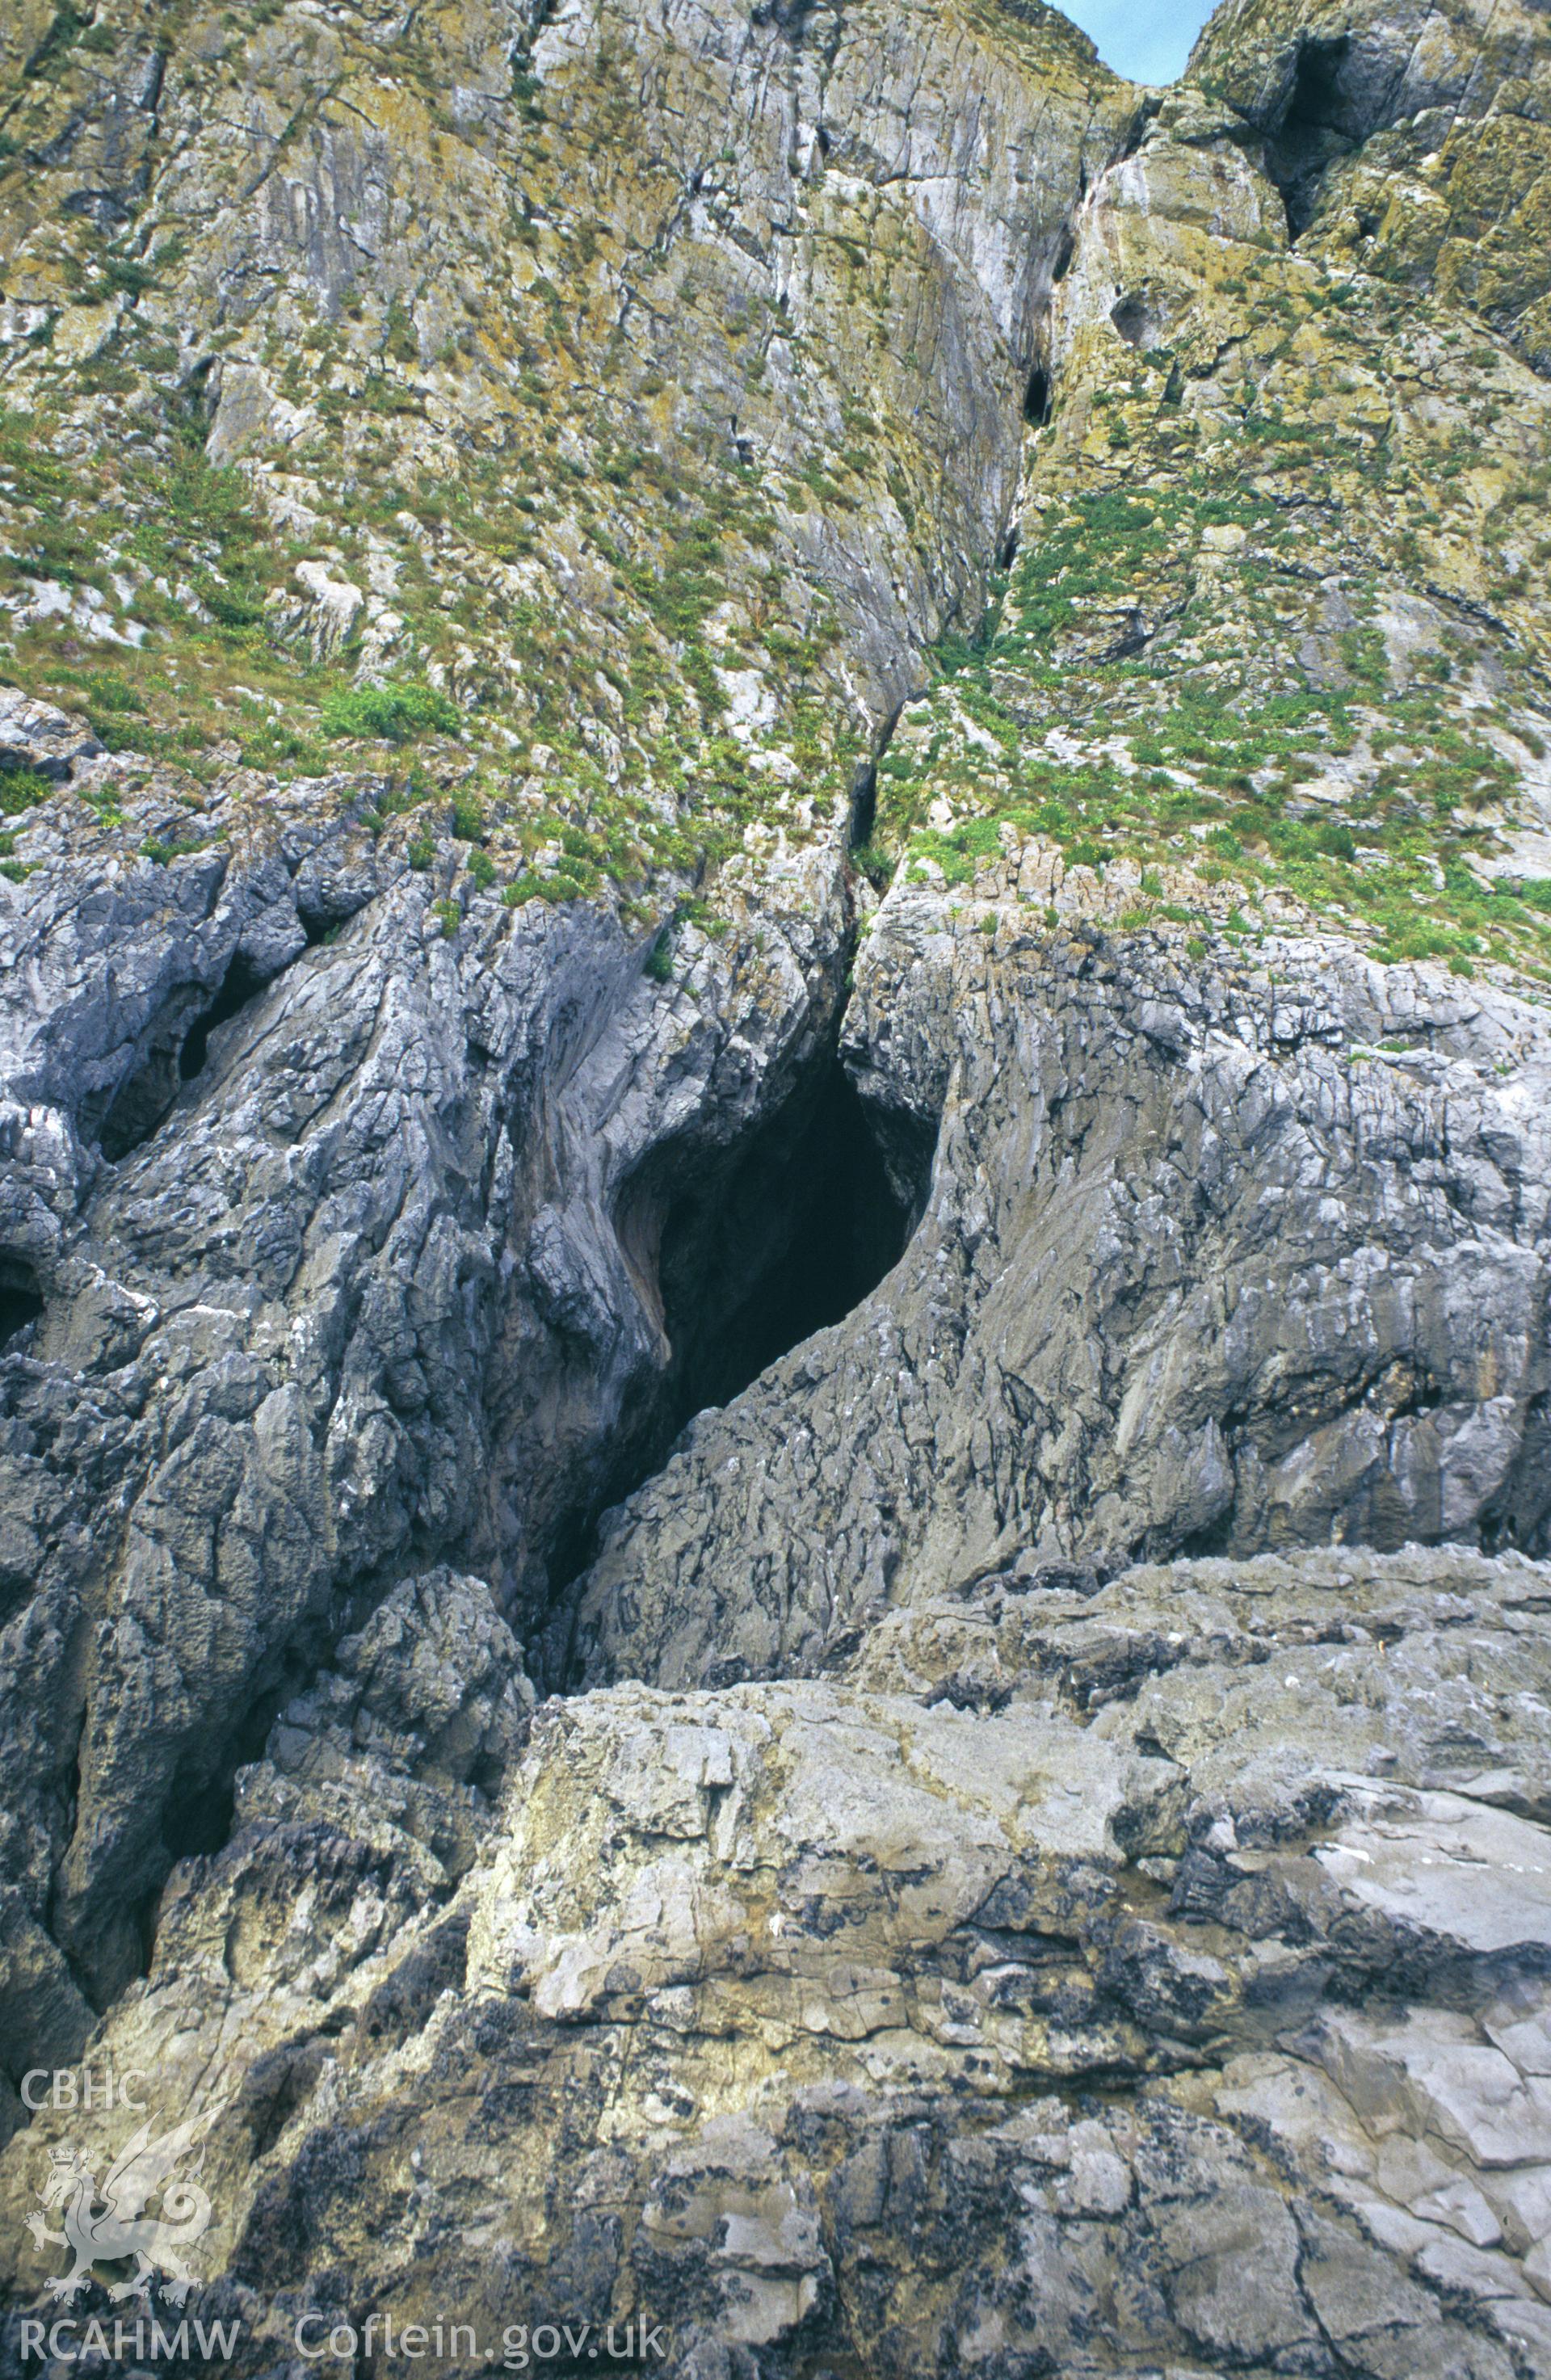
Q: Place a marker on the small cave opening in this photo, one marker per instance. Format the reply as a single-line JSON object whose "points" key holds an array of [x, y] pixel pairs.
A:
{"points": [[21, 1298], [1130, 319], [741, 1252], [147, 1093], [1036, 397], [197, 1818], [789, 16], [541, 16], [786, 1235], [1134, 638], [1321, 122], [864, 806], [238, 986], [174, 1053]]}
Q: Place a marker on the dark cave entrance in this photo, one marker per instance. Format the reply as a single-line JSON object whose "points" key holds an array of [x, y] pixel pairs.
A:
{"points": [[748, 1249], [1322, 120], [146, 1095], [743, 1251], [21, 1297], [789, 1236], [1132, 319], [238, 987], [175, 1053]]}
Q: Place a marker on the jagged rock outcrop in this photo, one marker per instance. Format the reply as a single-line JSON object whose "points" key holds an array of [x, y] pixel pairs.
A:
{"points": [[790, 2018], [1411, 141], [1240, 1260], [282, 1329], [1236, 1238], [560, 348], [671, 677]]}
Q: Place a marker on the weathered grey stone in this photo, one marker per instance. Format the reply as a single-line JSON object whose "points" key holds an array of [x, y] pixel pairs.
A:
{"points": [[1057, 1354], [288, 1298], [1022, 1851], [832, 1928], [34, 735]]}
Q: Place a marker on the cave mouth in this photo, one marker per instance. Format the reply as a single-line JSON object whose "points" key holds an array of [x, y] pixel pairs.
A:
{"points": [[21, 1297], [741, 1252], [748, 1249], [1133, 320], [240, 984], [1323, 120], [786, 1237], [174, 1055]]}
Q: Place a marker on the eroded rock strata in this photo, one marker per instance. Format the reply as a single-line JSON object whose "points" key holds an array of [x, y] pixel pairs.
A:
{"points": [[775, 1481]]}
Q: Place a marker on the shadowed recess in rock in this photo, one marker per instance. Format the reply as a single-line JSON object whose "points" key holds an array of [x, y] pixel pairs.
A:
{"points": [[21, 1301], [176, 1051], [794, 1233], [1036, 397], [144, 1099], [1318, 125], [750, 1251], [236, 991]]}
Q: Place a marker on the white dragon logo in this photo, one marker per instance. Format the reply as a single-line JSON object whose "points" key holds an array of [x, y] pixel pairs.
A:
{"points": [[119, 2228]]}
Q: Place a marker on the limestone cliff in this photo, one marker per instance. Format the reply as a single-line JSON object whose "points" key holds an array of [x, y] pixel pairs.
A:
{"points": [[775, 1238]]}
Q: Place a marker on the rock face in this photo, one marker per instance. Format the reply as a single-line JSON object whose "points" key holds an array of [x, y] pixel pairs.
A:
{"points": [[1338, 1331], [790, 2018], [1409, 142], [775, 1231], [342, 1296]]}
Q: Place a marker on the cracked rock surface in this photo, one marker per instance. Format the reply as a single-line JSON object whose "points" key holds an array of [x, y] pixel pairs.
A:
{"points": [[795, 2016], [775, 1179], [1187, 1276], [258, 1385]]}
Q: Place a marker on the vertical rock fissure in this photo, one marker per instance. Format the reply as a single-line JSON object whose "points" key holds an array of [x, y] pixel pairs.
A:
{"points": [[863, 789]]}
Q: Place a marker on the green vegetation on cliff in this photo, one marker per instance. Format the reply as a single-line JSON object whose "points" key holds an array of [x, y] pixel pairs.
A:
{"points": [[1274, 644]]}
